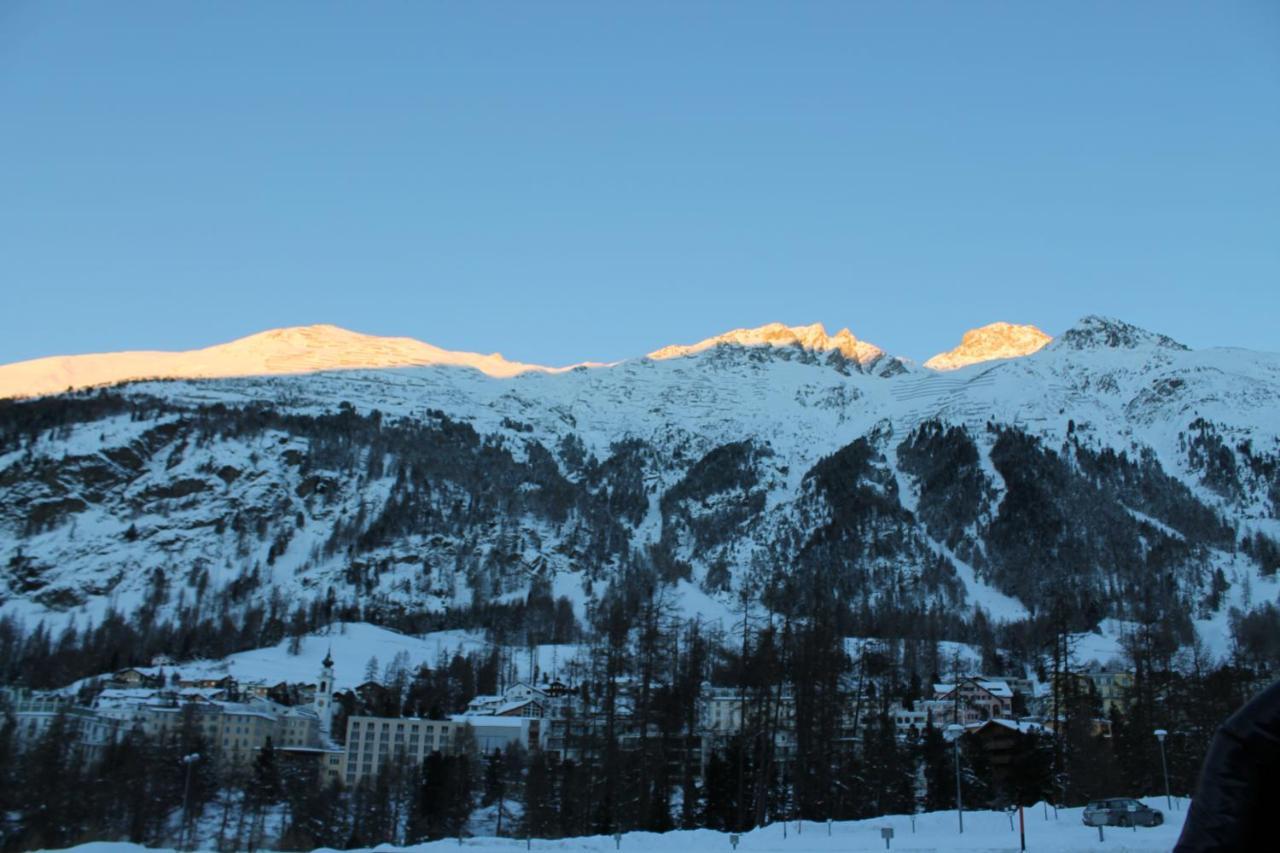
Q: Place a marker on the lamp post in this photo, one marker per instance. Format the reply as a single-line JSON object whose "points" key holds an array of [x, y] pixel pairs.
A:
{"points": [[1164, 765], [956, 730], [189, 760]]}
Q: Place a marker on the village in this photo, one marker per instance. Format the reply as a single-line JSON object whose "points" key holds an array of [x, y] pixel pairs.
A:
{"points": [[306, 724]]}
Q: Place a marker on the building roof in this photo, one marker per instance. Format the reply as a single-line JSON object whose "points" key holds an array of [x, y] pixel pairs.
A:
{"points": [[999, 689]]}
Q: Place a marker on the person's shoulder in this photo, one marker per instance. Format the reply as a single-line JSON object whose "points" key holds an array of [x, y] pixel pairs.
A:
{"points": [[1260, 717]]}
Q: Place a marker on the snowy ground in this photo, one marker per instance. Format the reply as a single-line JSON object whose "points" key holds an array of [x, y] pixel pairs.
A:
{"points": [[354, 644], [936, 831]]}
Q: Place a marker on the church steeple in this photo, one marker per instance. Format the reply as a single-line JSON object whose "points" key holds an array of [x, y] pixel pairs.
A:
{"points": [[324, 696]]}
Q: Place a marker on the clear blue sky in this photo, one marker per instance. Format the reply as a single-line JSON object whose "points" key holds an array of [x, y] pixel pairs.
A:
{"points": [[568, 181]]}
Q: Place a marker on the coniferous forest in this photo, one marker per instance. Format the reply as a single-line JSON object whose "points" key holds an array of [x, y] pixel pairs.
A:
{"points": [[639, 762]]}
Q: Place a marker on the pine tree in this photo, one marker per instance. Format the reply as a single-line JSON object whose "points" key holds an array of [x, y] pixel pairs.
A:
{"points": [[51, 805], [887, 769], [539, 819], [939, 770]]}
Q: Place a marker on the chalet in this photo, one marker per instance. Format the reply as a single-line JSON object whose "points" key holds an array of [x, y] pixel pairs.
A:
{"points": [[136, 678], [1004, 743], [988, 699], [518, 700]]}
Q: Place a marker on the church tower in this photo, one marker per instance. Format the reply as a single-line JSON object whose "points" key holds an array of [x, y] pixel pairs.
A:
{"points": [[324, 697]]}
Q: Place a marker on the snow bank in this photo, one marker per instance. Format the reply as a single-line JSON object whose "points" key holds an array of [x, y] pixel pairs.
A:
{"points": [[936, 831]]}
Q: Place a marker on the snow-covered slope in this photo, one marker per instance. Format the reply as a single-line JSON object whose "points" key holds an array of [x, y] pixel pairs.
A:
{"points": [[354, 647], [302, 349], [1106, 456]]}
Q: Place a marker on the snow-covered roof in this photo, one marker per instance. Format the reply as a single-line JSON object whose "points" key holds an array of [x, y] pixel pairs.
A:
{"points": [[997, 688], [1023, 726], [514, 706], [488, 720]]}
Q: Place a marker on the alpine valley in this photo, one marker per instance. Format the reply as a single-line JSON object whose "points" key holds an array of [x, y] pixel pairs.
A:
{"points": [[1105, 479]]}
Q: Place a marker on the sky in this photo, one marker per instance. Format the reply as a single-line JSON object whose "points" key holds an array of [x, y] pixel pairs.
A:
{"points": [[563, 182]]}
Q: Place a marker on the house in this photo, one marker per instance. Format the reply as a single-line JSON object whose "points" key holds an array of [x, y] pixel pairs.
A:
{"points": [[1113, 687], [1005, 743], [989, 699], [136, 678], [518, 700], [908, 725], [520, 708]]}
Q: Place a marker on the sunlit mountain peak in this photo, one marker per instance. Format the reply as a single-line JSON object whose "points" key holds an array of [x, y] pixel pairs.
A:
{"points": [[296, 349], [991, 342], [811, 337]]}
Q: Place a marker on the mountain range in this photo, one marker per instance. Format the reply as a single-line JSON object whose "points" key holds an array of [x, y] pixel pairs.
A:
{"points": [[309, 349], [1109, 474]]}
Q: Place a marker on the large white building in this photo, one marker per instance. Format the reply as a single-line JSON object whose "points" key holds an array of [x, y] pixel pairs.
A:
{"points": [[518, 715]]}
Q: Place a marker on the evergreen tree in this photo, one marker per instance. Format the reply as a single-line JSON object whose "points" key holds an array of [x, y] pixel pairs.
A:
{"points": [[50, 799], [939, 770], [540, 803], [887, 769]]}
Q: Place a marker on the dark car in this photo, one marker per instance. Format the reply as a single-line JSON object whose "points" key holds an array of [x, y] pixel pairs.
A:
{"points": [[1121, 811]]}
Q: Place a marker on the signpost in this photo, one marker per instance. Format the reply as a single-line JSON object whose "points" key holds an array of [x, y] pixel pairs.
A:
{"points": [[886, 832]]}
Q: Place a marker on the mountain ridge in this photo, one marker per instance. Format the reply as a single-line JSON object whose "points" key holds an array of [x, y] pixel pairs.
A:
{"points": [[326, 347], [432, 488]]}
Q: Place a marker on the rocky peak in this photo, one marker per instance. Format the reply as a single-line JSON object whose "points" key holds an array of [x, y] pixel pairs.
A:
{"points": [[1095, 332], [990, 342], [813, 337]]}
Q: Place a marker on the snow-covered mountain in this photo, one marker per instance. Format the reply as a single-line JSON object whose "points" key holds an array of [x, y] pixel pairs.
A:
{"points": [[813, 338], [1107, 463], [302, 349]]}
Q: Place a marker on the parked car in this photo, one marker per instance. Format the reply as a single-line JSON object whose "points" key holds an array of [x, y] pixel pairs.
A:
{"points": [[1121, 811]]}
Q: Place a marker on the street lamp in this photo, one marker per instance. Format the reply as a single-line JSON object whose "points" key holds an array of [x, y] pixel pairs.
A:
{"points": [[956, 730], [1164, 765], [189, 761]]}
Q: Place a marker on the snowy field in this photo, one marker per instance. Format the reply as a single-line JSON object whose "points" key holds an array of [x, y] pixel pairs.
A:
{"points": [[354, 644], [936, 831]]}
